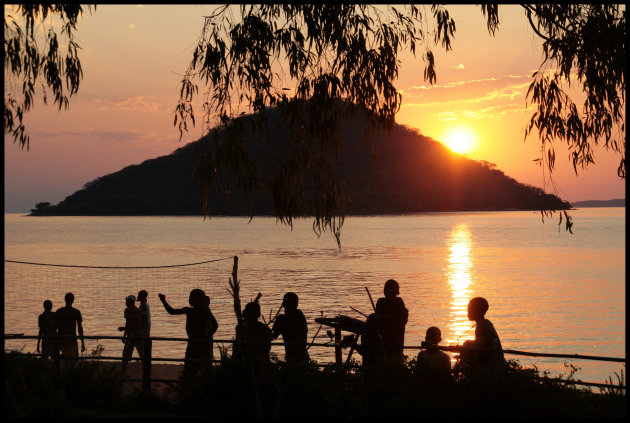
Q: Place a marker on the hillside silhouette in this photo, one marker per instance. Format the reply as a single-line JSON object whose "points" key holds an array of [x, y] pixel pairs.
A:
{"points": [[412, 173]]}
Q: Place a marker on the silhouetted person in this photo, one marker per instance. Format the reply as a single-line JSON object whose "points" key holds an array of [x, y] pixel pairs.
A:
{"points": [[253, 338], [68, 320], [293, 328], [391, 317], [47, 331], [211, 326], [432, 361], [145, 312], [196, 328], [485, 336], [132, 329], [372, 347]]}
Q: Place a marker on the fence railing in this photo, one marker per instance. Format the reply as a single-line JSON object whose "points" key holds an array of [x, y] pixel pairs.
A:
{"points": [[147, 358]]}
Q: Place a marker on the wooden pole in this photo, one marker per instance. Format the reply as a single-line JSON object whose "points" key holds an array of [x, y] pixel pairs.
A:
{"points": [[235, 285], [146, 366], [337, 343], [56, 363], [370, 295]]}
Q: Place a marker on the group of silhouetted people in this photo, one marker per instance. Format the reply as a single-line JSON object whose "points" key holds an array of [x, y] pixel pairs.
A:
{"points": [[58, 330], [383, 337], [137, 326], [381, 340]]}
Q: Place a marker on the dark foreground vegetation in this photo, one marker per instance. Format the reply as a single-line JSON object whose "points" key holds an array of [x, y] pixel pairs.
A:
{"points": [[33, 388]]}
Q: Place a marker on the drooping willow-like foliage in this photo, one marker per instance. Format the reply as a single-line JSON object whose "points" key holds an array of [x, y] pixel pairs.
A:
{"points": [[317, 64], [26, 64], [314, 65]]}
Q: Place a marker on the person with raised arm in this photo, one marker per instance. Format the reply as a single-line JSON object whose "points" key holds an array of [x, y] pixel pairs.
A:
{"points": [[197, 316]]}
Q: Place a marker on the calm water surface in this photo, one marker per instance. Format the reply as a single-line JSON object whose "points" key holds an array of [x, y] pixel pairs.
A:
{"points": [[549, 291]]}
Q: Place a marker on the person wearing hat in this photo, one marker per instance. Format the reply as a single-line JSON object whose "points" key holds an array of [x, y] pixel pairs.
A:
{"points": [[391, 317], [131, 330]]}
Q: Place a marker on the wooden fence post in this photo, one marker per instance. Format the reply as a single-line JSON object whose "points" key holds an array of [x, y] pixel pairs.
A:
{"points": [[235, 285], [56, 358], [146, 366], [337, 343]]}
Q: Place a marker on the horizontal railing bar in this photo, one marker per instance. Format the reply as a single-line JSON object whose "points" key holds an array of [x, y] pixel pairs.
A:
{"points": [[156, 338], [459, 348], [154, 380], [565, 381], [450, 348], [569, 382], [579, 382]]}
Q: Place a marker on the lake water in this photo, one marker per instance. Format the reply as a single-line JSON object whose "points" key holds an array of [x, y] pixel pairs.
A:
{"points": [[549, 291]]}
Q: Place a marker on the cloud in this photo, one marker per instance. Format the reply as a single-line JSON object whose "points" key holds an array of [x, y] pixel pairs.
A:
{"points": [[98, 134], [485, 98], [456, 84], [134, 104], [490, 112], [505, 93]]}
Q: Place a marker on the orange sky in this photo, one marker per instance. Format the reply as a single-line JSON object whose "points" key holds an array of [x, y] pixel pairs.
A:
{"points": [[133, 58]]}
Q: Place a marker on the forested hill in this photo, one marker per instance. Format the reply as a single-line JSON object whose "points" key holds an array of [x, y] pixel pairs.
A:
{"points": [[412, 173]]}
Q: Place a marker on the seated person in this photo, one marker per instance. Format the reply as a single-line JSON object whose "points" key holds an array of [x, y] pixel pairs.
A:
{"points": [[432, 360], [253, 338], [485, 336], [372, 346]]}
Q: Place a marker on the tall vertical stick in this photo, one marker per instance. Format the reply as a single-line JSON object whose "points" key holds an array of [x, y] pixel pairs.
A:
{"points": [[369, 295], [235, 285]]}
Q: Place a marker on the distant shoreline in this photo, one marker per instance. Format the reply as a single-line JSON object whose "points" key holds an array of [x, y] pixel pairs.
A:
{"points": [[617, 202], [579, 204], [273, 215]]}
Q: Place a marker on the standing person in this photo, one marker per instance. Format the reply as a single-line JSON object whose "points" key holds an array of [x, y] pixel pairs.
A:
{"points": [[145, 312], [253, 338], [485, 337], [211, 326], [132, 329], [293, 328], [196, 328], [68, 320], [47, 331], [391, 316]]}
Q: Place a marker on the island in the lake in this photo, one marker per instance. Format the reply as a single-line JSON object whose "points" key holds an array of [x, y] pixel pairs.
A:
{"points": [[412, 174]]}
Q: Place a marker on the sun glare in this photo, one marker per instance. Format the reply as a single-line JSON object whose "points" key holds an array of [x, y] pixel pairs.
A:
{"points": [[460, 142]]}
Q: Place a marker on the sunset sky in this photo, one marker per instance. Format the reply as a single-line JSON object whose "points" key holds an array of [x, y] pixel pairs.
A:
{"points": [[133, 58]]}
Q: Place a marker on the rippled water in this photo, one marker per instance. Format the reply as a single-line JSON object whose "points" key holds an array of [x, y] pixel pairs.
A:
{"points": [[549, 291]]}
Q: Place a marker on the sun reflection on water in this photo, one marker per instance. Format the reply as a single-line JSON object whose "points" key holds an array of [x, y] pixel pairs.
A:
{"points": [[459, 273]]}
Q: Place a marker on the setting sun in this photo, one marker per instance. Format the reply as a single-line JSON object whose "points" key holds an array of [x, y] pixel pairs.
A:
{"points": [[460, 141]]}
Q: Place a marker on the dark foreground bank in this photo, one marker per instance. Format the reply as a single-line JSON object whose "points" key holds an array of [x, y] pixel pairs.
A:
{"points": [[231, 390]]}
